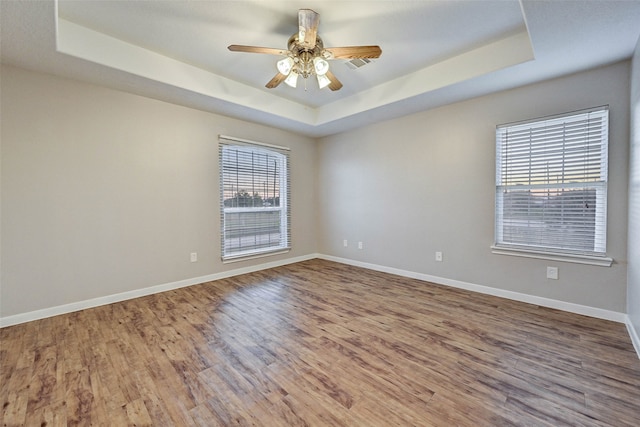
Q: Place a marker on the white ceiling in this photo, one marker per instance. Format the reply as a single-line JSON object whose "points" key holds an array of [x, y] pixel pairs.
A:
{"points": [[434, 52]]}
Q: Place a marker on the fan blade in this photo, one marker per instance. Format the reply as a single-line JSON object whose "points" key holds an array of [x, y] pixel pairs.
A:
{"points": [[276, 80], [351, 52], [257, 49], [308, 21], [335, 83]]}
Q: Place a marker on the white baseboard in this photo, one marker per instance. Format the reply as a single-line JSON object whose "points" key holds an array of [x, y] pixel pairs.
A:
{"points": [[531, 299], [635, 338], [516, 296], [109, 299]]}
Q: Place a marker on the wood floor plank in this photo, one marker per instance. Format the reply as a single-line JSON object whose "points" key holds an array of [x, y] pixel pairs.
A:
{"points": [[319, 343]]}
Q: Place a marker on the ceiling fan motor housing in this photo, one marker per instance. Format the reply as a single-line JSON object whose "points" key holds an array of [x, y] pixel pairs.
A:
{"points": [[303, 56]]}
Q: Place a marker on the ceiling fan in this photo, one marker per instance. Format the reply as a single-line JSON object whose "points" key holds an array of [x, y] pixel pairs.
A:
{"points": [[306, 55]]}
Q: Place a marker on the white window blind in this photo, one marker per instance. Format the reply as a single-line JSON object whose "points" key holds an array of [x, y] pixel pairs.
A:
{"points": [[551, 184], [254, 182]]}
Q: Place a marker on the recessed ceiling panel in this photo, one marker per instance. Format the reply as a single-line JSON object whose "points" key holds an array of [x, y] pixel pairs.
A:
{"points": [[433, 52], [190, 39]]}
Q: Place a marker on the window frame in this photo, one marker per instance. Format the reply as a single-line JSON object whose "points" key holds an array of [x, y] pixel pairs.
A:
{"points": [[541, 245], [232, 254]]}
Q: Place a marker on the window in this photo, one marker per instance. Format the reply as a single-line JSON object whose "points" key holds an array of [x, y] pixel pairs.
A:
{"points": [[551, 185], [254, 198]]}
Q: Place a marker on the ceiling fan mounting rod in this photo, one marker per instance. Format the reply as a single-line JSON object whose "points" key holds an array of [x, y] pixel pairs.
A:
{"points": [[305, 65]]}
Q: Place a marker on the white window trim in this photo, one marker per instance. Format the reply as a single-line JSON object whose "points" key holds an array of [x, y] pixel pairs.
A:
{"points": [[553, 256], [284, 208], [254, 255], [249, 142], [546, 254]]}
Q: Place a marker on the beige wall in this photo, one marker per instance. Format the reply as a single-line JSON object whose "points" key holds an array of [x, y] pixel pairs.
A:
{"points": [[104, 192], [633, 291], [415, 185]]}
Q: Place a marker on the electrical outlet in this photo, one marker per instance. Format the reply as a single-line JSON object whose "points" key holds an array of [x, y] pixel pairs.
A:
{"points": [[359, 245], [194, 256], [439, 256], [345, 243], [552, 273]]}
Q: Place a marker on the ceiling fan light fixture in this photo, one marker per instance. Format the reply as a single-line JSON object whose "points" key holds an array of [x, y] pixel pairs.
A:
{"points": [[320, 65], [306, 55], [323, 81], [292, 79], [285, 66]]}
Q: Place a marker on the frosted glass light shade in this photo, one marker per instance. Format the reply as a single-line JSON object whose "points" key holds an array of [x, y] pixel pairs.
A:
{"points": [[285, 65], [323, 81], [321, 66], [292, 79]]}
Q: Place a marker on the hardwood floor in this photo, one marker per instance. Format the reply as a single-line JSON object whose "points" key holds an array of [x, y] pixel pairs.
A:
{"points": [[319, 344]]}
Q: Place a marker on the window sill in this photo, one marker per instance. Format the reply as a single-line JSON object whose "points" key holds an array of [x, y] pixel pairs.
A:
{"points": [[245, 257], [553, 256]]}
